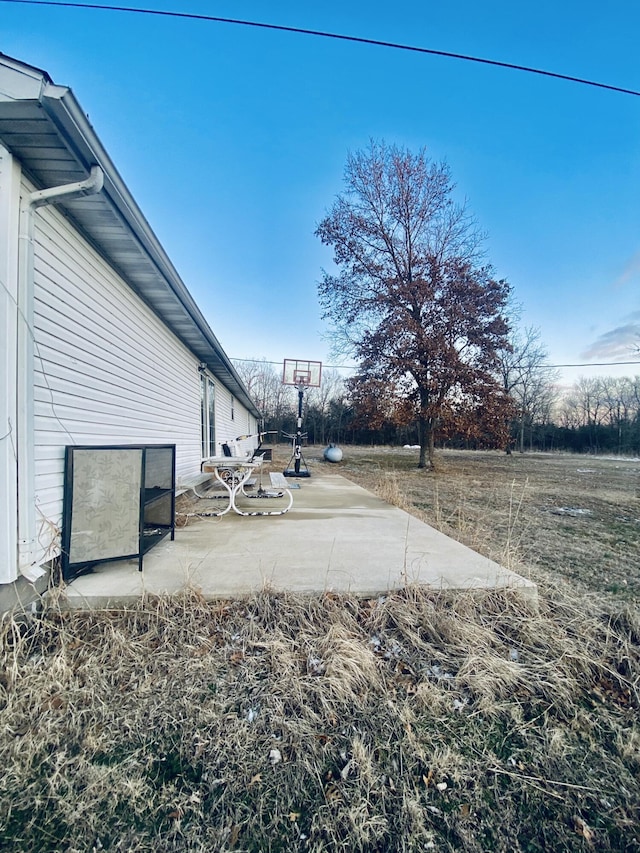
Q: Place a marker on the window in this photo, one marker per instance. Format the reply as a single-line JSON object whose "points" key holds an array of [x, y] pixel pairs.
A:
{"points": [[233, 409], [211, 398], [208, 416]]}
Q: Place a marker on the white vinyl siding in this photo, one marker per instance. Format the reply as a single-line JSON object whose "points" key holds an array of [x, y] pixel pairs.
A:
{"points": [[107, 370], [228, 428]]}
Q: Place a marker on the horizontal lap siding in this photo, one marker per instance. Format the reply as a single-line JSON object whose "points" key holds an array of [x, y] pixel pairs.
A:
{"points": [[243, 422], [225, 427], [107, 371]]}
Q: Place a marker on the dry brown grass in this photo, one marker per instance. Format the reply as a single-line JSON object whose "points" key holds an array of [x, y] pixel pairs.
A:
{"points": [[414, 721], [553, 517], [410, 722]]}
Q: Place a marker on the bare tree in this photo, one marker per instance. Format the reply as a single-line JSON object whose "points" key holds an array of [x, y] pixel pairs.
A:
{"points": [[527, 377], [264, 382], [606, 411], [319, 401], [583, 407], [411, 302], [620, 400]]}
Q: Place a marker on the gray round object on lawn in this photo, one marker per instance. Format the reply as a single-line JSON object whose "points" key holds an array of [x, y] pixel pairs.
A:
{"points": [[333, 453]]}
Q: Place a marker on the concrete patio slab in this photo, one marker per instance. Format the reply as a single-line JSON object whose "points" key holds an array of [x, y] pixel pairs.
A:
{"points": [[337, 537]]}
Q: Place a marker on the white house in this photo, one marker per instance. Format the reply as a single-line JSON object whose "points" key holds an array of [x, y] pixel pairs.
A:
{"points": [[100, 341]]}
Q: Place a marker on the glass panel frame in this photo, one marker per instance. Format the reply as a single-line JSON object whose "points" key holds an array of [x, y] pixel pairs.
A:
{"points": [[119, 501]]}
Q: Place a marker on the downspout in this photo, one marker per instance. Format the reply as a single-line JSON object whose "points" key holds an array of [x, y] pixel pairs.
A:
{"points": [[25, 438]]}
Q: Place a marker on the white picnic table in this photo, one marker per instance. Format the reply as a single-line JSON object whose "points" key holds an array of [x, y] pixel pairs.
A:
{"points": [[233, 473]]}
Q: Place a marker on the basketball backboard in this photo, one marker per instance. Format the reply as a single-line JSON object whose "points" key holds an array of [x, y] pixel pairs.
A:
{"points": [[302, 374]]}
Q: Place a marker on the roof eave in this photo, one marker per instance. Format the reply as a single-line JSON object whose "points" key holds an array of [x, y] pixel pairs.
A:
{"points": [[66, 113], [158, 282]]}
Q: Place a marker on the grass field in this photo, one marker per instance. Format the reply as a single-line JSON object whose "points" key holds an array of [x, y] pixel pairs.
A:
{"points": [[549, 516], [413, 721]]}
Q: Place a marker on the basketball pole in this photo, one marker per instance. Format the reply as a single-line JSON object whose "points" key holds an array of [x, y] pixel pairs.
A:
{"points": [[296, 456], [301, 374]]}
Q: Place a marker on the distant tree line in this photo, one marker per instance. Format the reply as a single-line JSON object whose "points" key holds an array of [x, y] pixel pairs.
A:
{"points": [[597, 415]]}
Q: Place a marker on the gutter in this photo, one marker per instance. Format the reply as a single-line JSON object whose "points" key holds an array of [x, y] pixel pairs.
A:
{"points": [[25, 360]]}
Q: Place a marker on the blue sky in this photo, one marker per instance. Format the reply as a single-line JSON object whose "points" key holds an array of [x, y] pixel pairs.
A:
{"points": [[233, 142]]}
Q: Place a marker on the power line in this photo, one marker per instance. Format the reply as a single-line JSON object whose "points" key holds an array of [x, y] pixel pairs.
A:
{"points": [[324, 34], [545, 366], [279, 363], [594, 364]]}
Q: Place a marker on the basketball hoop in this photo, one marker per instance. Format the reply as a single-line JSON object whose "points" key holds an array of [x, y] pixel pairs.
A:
{"points": [[307, 374], [302, 374]]}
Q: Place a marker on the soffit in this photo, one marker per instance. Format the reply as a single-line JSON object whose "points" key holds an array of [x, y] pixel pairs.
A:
{"points": [[53, 146]]}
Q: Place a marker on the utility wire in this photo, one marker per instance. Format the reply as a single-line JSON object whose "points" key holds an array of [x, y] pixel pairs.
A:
{"points": [[544, 367], [38, 355], [324, 34], [594, 364]]}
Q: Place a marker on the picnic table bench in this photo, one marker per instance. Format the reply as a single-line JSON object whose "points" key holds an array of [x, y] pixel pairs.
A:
{"points": [[234, 474]]}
